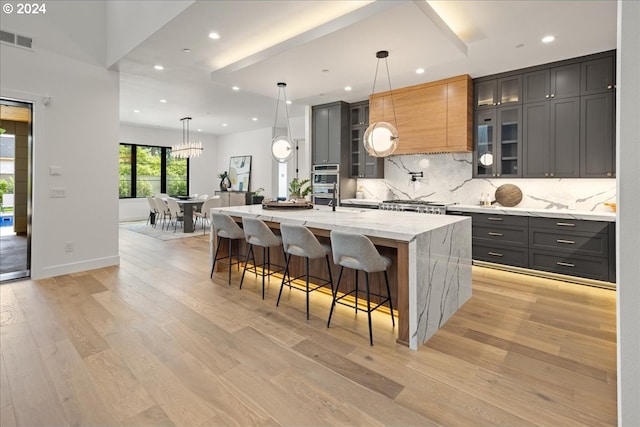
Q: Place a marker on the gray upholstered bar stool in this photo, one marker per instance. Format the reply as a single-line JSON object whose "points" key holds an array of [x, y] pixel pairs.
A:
{"points": [[257, 233], [226, 228], [357, 252], [299, 241]]}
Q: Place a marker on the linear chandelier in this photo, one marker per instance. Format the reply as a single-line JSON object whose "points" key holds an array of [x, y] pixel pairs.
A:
{"points": [[188, 148]]}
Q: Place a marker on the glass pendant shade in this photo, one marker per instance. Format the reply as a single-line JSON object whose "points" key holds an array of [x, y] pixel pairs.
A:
{"points": [[380, 139], [281, 149]]}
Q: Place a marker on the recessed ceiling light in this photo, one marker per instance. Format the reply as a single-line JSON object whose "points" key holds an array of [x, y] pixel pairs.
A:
{"points": [[136, 111], [199, 130], [548, 39], [164, 101], [214, 36], [186, 50], [288, 102], [224, 125], [235, 88], [255, 119], [420, 71], [158, 67], [347, 88]]}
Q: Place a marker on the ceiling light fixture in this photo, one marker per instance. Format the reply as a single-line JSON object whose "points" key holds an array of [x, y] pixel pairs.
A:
{"points": [[548, 39], [188, 148], [420, 71], [164, 101], [235, 88], [347, 88], [158, 67], [136, 111], [381, 138], [186, 50], [281, 146], [214, 36]]}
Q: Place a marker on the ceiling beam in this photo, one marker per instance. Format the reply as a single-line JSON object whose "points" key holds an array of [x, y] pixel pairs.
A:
{"points": [[441, 25]]}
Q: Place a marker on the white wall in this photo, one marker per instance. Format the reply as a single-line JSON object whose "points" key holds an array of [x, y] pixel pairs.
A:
{"points": [[256, 144], [203, 175], [77, 131], [628, 232]]}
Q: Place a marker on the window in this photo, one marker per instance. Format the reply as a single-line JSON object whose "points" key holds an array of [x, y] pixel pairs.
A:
{"points": [[147, 170]]}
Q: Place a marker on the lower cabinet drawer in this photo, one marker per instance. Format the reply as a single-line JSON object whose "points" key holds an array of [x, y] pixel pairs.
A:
{"points": [[513, 236], [501, 254], [596, 268], [577, 243]]}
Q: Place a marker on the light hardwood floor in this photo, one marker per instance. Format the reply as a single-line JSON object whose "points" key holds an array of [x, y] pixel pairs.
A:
{"points": [[156, 342]]}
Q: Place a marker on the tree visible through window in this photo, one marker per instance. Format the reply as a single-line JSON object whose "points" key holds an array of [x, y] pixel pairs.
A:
{"points": [[153, 170]]}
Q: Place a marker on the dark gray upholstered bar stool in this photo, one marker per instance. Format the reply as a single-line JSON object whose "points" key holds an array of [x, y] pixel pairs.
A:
{"points": [[257, 233], [297, 240], [357, 252], [227, 228]]}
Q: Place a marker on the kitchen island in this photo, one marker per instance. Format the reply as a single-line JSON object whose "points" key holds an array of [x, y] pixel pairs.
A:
{"points": [[431, 253]]}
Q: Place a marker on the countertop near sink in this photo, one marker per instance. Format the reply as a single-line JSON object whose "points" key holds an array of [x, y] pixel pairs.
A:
{"points": [[547, 213]]}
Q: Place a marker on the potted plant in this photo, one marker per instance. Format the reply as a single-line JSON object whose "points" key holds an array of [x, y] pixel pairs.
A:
{"points": [[297, 189], [257, 197]]}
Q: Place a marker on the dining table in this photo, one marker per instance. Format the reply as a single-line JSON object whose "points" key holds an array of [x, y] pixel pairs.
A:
{"points": [[188, 207]]}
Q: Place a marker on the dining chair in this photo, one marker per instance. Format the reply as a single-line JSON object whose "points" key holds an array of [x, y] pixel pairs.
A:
{"points": [[153, 211], [204, 212], [175, 213], [163, 210]]}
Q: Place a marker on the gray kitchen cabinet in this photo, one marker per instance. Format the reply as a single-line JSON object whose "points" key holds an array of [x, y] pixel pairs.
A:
{"points": [[597, 140], [553, 83], [551, 138], [497, 92], [498, 133], [362, 165], [330, 131], [579, 248], [598, 76]]}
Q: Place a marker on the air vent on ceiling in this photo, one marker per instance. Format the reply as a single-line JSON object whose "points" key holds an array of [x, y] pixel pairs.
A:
{"points": [[16, 39]]}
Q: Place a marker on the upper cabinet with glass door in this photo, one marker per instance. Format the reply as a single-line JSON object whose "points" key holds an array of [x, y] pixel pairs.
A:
{"points": [[498, 92]]}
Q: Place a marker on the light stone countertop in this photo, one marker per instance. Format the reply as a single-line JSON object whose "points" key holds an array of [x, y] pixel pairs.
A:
{"points": [[401, 226], [545, 213]]}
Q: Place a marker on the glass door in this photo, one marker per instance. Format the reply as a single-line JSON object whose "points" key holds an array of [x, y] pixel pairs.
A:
{"points": [[15, 176], [509, 141]]}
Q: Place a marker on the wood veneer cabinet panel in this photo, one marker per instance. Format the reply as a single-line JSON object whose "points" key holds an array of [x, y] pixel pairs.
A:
{"points": [[431, 117]]}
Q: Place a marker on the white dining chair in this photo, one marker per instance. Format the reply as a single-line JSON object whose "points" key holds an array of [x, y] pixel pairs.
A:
{"points": [[204, 213], [175, 214]]}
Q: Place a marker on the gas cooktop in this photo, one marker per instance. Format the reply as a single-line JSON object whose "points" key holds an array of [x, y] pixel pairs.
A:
{"points": [[420, 206]]}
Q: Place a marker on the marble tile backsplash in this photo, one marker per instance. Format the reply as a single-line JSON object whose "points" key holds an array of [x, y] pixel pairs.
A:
{"points": [[448, 178]]}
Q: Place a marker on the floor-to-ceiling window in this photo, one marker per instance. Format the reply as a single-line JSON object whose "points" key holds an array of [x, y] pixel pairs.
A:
{"points": [[147, 170]]}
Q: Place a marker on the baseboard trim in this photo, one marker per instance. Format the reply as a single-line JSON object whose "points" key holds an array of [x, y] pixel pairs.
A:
{"points": [[75, 267]]}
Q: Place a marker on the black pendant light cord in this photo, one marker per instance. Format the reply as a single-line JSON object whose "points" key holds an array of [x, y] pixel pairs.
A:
{"points": [[383, 54], [282, 88]]}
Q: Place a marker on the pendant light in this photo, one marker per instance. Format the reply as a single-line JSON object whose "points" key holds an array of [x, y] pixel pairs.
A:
{"points": [[281, 146], [188, 148], [381, 138]]}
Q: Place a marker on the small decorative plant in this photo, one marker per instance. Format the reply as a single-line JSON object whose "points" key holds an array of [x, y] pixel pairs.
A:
{"points": [[297, 188], [225, 182], [257, 197]]}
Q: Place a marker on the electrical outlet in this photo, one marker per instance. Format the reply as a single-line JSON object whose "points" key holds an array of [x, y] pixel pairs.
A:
{"points": [[68, 246]]}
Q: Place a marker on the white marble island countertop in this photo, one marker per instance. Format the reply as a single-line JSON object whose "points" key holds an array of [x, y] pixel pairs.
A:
{"points": [[537, 212], [402, 226]]}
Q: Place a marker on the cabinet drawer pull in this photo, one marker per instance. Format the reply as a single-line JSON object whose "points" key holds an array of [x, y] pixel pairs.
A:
{"points": [[565, 264], [494, 219], [565, 224], [568, 242], [495, 234], [495, 254]]}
